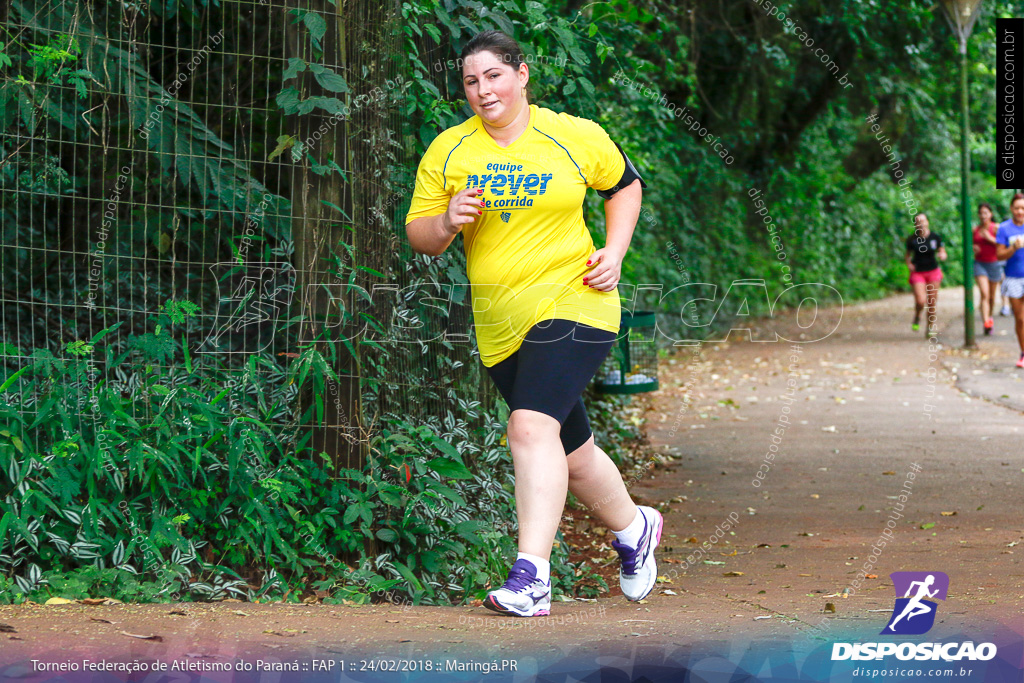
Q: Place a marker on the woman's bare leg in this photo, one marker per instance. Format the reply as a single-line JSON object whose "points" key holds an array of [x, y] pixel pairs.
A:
{"points": [[541, 478], [920, 298], [985, 290], [1017, 305], [595, 480]]}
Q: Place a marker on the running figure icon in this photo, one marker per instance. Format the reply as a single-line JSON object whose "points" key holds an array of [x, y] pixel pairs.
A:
{"points": [[916, 589], [916, 606]]}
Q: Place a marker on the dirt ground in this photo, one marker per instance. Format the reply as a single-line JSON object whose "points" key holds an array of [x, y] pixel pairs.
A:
{"points": [[869, 404]]}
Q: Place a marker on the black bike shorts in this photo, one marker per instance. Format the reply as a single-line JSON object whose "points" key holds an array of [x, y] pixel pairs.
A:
{"points": [[550, 370]]}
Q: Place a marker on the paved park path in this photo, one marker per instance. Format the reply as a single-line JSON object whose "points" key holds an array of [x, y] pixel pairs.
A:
{"points": [[863, 409]]}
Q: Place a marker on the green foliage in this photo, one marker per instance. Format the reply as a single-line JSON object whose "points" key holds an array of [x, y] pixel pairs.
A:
{"points": [[47, 60], [180, 469]]}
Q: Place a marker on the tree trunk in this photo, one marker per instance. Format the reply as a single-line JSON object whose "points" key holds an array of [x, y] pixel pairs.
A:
{"points": [[318, 232]]}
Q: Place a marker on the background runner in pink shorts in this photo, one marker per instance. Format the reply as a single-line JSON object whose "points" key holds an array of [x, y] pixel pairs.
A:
{"points": [[927, 277], [924, 251]]}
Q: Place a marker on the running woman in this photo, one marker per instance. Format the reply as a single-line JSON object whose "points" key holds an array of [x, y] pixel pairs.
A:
{"points": [[925, 275], [987, 271], [512, 180], [1010, 238]]}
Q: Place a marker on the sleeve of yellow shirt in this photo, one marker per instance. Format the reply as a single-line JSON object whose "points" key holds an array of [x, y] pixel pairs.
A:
{"points": [[599, 159], [430, 197]]}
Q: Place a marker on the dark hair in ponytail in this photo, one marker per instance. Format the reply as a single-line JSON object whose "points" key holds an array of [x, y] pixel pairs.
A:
{"points": [[501, 45]]}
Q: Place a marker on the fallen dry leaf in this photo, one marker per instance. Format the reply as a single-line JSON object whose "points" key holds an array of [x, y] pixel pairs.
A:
{"points": [[136, 635], [830, 607], [58, 601], [889, 472], [948, 514], [733, 574], [278, 633]]}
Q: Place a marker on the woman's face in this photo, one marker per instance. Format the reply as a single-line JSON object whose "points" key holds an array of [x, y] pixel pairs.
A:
{"points": [[1018, 211], [922, 224], [985, 215], [494, 89]]}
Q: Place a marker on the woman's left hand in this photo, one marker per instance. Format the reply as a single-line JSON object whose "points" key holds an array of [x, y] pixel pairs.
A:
{"points": [[607, 270]]}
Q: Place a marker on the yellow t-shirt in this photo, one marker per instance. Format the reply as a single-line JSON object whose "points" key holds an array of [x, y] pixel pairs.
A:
{"points": [[526, 256]]}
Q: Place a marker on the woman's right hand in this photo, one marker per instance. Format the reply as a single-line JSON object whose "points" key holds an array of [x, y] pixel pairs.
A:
{"points": [[465, 207]]}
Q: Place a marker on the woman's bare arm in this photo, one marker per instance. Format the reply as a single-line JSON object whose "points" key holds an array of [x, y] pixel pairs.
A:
{"points": [[428, 235], [621, 213], [431, 235], [1004, 252]]}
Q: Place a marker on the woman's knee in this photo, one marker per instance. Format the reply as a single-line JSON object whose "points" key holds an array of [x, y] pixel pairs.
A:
{"points": [[526, 424]]}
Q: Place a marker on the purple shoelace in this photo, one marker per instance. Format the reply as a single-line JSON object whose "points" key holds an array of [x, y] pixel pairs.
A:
{"points": [[521, 576], [629, 555]]}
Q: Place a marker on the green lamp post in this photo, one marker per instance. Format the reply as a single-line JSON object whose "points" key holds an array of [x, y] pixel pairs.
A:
{"points": [[961, 15]]}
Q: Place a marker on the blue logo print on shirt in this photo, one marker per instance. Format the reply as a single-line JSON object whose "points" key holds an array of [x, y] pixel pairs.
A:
{"points": [[531, 185]]}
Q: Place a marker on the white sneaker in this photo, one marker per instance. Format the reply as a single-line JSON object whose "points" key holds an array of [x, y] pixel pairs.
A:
{"points": [[1005, 311], [523, 594], [639, 571]]}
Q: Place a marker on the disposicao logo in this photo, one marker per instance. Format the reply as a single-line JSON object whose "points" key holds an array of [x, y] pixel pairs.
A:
{"points": [[914, 614]]}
